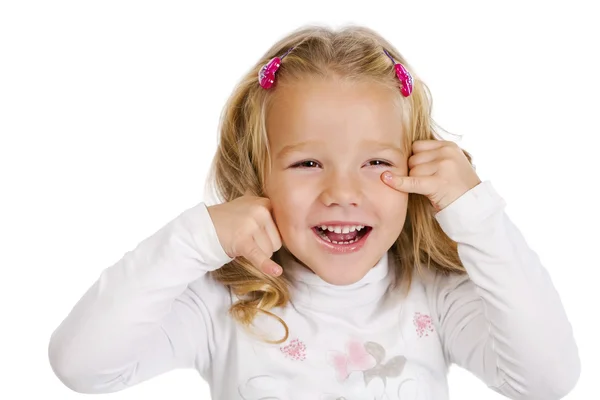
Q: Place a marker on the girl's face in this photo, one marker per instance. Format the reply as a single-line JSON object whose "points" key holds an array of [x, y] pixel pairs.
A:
{"points": [[330, 142]]}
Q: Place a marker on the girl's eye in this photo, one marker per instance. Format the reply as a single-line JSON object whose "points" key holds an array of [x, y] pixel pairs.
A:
{"points": [[306, 164], [379, 162], [314, 164]]}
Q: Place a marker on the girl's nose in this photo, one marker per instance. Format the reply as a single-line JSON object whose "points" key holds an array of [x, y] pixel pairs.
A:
{"points": [[342, 190]]}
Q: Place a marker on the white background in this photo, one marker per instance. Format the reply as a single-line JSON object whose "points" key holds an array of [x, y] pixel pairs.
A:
{"points": [[109, 113]]}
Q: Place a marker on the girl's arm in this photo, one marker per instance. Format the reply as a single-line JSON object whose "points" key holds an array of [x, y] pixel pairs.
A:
{"points": [[504, 321], [140, 318]]}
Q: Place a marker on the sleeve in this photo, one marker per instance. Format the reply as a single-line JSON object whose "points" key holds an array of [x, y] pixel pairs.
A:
{"points": [[503, 321], [140, 318]]}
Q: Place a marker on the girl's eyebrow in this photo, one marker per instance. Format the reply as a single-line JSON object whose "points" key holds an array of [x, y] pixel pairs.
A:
{"points": [[297, 147], [378, 145]]}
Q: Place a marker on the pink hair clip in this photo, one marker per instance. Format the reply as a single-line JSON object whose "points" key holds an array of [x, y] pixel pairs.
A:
{"points": [[403, 75], [266, 75]]}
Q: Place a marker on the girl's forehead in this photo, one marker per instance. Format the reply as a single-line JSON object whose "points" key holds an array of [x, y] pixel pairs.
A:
{"points": [[320, 109]]}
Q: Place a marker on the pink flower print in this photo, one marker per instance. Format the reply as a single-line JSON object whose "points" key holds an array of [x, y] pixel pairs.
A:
{"points": [[423, 324], [295, 350], [357, 358]]}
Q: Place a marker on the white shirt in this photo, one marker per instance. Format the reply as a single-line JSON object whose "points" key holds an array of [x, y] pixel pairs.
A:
{"points": [[158, 309]]}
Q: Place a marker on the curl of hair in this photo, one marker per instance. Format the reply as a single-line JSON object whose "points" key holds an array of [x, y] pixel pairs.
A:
{"points": [[242, 157]]}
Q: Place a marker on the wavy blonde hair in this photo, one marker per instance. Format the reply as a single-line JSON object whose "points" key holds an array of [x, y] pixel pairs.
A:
{"points": [[241, 161]]}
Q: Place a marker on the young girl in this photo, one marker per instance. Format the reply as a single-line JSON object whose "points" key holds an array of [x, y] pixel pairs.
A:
{"points": [[354, 254]]}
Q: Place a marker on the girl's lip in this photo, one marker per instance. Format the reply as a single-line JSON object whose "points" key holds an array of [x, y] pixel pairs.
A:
{"points": [[338, 248]]}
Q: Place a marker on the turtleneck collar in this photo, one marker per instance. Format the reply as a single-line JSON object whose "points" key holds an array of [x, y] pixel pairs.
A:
{"points": [[309, 290]]}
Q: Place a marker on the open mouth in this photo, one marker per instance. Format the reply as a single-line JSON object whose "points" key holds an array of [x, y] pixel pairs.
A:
{"points": [[342, 234]]}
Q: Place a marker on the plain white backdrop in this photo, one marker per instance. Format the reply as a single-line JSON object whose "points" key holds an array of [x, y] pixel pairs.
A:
{"points": [[108, 123]]}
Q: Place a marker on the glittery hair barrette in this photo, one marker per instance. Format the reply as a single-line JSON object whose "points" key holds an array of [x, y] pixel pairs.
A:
{"points": [[403, 75], [266, 75]]}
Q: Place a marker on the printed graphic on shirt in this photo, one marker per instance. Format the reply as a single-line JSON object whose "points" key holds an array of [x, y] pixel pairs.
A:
{"points": [[423, 324], [363, 370], [356, 358], [296, 350], [368, 358]]}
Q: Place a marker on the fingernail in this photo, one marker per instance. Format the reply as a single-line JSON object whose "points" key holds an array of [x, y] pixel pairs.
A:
{"points": [[387, 176], [275, 271]]}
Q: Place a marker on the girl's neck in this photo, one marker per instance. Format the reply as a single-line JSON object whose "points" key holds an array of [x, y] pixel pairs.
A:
{"points": [[308, 289]]}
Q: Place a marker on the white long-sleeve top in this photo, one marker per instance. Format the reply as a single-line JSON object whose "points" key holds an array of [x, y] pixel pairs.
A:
{"points": [[158, 309]]}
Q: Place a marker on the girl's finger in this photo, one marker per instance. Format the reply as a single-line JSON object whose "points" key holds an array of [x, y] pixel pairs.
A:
{"points": [[426, 169], [273, 233], [424, 185], [423, 157], [419, 146], [263, 241], [262, 260], [267, 224]]}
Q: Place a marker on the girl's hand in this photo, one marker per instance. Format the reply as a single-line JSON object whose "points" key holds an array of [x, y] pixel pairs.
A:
{"points": [[246, 228], [439, 170]]}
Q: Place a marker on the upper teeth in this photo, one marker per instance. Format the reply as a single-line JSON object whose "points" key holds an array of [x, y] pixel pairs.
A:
{"points": [[342, 228]]}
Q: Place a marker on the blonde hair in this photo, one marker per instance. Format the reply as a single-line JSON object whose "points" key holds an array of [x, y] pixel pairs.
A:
{"points": [[352, 52]]}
